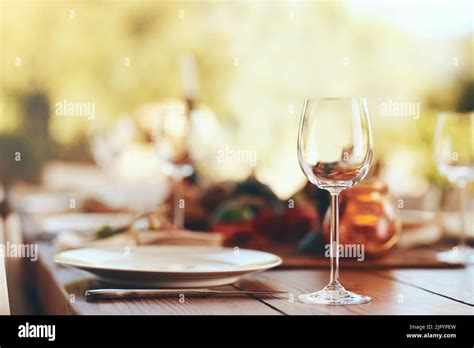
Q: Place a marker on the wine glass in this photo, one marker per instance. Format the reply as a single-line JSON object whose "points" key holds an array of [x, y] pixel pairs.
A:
{"points": [[109, 142], [335, 152], [171, 144], [454, 156]]}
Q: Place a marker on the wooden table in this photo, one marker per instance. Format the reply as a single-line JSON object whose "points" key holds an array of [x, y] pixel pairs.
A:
{"points": [[402, 291], [397, 288]]}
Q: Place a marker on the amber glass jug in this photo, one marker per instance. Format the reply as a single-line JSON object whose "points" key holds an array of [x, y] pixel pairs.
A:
{"points": [[368, 215]]}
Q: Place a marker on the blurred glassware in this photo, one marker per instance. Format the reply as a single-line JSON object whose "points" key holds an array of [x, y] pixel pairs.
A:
{"points": [[368, 216], [419, 215], [206, 137], [171, 139], [450, 222], [110, 141], [454, 156], [419, 227], [335, 164]]}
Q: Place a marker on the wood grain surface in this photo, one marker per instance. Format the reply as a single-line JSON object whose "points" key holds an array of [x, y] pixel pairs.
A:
{"points": [[420, 291]]}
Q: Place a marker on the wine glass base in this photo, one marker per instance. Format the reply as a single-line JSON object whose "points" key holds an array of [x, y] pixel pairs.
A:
{"points": [[458, 254], [334, 294]]}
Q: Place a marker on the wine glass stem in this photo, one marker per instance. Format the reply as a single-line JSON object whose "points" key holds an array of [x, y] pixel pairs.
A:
{"points": [[463, 192], [334, 238], [178, 213]]}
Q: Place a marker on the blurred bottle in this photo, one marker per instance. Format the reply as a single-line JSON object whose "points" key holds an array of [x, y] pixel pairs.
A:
{"points": [[368, 215]]}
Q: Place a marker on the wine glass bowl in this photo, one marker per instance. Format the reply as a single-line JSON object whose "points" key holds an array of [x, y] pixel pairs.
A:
{"points": [[334, 152], [171, 143], [454, 146], [335, 147], [109, 142]]}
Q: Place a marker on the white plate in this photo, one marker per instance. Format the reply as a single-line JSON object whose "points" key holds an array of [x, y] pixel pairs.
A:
{"points": [[87, 223], [42, 202], [416, 218], [168, 266]]}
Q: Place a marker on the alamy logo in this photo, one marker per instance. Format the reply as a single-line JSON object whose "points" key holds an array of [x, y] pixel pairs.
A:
{"points": [[37, 331], [75, 108], [391, 108], [237, 156], [19, 250], [356, 251]]}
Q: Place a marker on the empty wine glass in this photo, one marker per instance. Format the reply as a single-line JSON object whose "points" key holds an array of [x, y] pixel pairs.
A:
{"points": [[335, 152], [172, 147], [110, 141], [454, 156]]}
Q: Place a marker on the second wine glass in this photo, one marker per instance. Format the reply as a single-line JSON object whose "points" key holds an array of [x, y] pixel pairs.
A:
{"points": [[454, 156], [171, 142], [335, 152]]}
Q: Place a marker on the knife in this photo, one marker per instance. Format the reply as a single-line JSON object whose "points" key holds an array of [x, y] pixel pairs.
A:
{"points": [[103, 294]]}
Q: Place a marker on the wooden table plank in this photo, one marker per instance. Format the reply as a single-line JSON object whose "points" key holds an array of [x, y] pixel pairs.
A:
{"points": [[61, 291], [393, 292], [388, 296], [166, 306], [416, 258], [57, 284], [457, 284]]}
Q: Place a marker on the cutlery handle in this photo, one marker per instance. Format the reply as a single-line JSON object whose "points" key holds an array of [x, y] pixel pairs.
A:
{"points": [[140, 293], [143, 293]]}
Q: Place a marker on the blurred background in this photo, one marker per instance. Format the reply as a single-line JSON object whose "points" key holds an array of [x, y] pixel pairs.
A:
{"points": [[246, 66]]}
